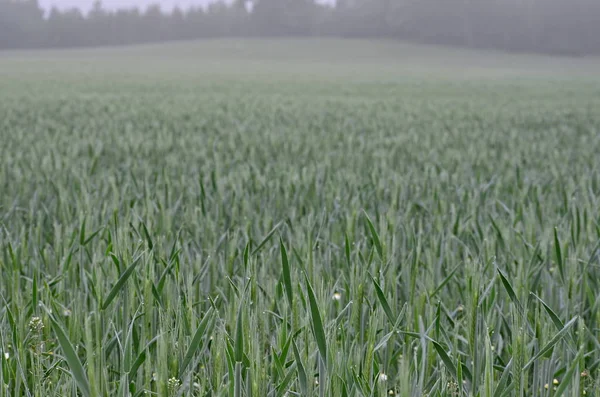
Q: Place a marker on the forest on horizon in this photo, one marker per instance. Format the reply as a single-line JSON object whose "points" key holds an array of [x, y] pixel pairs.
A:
{"points": [[565, 27]]}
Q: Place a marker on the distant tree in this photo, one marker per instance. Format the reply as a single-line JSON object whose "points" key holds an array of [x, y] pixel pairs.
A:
{"points": [[99, 30], [127, 25], [176, 25], [284, 17], [20, 23], [65, 29], [240, 18]]}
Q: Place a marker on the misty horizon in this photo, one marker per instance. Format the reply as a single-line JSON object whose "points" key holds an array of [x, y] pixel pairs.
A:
{"points": [[560, 27]]}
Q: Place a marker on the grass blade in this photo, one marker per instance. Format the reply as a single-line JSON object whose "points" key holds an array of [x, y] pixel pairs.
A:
{"points": [[558, 253], [443, 356], [552, 342], [443, 283], [142, 356], [557, 321], [553, 316], [503, 382], [120, 283], [375, 237], [302, 378], [71, 357], [317, 323], [34, 294], [91, 236], [196, 343], [148, 238], [282, 388], [510, 290], [568, 378], [347, 249], [266, 239], [82, 232], [246, 254], [445, 359], [239, 335], [287, 279], [384, 303]]}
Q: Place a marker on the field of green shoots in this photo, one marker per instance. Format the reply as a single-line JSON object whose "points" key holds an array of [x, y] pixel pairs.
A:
{"points": [[299, 218]]}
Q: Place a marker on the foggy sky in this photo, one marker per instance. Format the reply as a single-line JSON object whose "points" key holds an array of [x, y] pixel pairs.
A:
{"points": [[85, 5]]}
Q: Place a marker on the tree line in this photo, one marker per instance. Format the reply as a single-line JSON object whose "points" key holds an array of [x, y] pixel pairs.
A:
{"points": [[570, 27]]}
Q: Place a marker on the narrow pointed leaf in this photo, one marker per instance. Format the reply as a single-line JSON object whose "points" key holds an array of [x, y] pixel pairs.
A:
{"points": [[142, 356], [239, 335], [375, 237], [120, 283], [302, 378], [384, 303], [509, 290], [558, 253], [71, 357], [287, 278], [317, 323], [503, 382], [568, 378], [548, 346], [266, 239], [445, 359], [196, 343], [147, 235], [557, 321]]}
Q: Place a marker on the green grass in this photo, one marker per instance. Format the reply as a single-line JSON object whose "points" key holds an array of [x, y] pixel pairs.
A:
{"points": [[272, 218]]}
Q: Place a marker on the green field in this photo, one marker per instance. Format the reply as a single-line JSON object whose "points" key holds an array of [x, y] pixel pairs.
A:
{"points": [[286, 218]]}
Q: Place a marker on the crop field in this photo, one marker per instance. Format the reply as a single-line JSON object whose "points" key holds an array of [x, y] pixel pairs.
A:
{"points": [[299, 218]]}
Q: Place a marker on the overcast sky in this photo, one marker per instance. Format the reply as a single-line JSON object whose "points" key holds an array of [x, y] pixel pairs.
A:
{"points": [[114, 4]]}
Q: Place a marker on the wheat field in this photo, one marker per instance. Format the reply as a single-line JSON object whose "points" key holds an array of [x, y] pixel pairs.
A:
{"points": [[298, 218]]}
